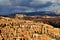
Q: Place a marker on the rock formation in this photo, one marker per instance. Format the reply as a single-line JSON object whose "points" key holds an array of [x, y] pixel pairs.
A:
{"points": [[17, 29]]}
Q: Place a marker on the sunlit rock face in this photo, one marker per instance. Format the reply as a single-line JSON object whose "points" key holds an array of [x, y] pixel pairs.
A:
{"points": [[19, 29]]}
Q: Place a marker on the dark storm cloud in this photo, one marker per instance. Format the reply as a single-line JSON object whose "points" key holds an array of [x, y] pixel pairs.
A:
{"points": [[10, 6]]}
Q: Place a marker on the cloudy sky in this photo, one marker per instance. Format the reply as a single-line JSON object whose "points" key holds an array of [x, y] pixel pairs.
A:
{"points": [[12, 6]]}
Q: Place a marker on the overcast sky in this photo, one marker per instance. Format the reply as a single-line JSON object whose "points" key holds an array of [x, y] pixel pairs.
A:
{"points": [[11, 6]]}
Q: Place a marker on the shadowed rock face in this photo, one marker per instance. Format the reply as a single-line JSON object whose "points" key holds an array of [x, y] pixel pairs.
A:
{"points": [[19, 29], [51, 20]]}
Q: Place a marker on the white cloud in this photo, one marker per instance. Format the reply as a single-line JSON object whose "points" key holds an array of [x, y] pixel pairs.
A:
{"points": [[38, 2], [53, 7], [26, 1], [5, 2], [24, 9], [30, 5]]}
